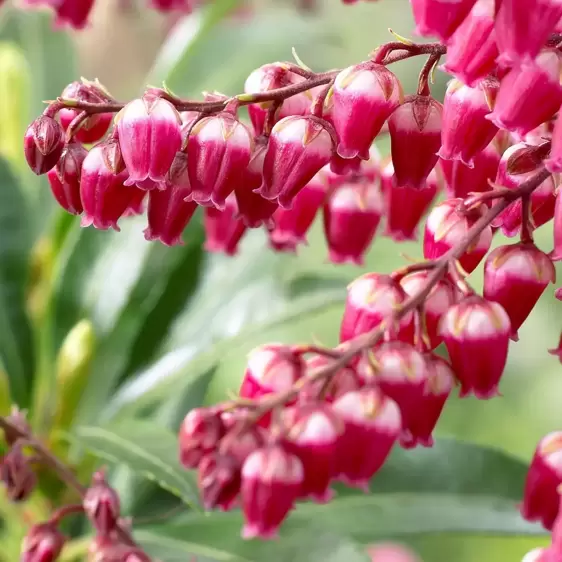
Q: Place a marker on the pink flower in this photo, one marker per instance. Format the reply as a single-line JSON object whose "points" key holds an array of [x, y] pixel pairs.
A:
{"points": [[223, 229], [440, 18], [43, 144]]}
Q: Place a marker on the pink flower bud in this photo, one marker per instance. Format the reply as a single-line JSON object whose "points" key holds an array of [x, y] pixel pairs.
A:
{"points": [[405, 206], [298, 148], [400, 371], [312, 435], [370, 299], [166, 6], [472, 50], [271, 77], [104, 196], [199, 435], [363, 97], [388, 552], [345, 380], [541, 499], [271, 368], [516, 276], [541, 555], [17, 475], [439, 300], [149, 136], [291, 225], [271, 482], [543, 199], [415, 136], [219, 481], [94, 127], [557, 352], [556, 254], [168, 215], [440, 18], [466, 131], [253, 208], [351, 217], [72, 13], [18, 424], [101, 504], [476, 333], [43, 144], [223, 229], [43, 543], [372, 424], [462, 180], [219, 151], [522, 29], [64, 178], [446, 226], [530, 95]]}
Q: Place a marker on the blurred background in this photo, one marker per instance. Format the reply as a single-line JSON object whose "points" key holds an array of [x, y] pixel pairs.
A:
{"points": [[164, 325]]}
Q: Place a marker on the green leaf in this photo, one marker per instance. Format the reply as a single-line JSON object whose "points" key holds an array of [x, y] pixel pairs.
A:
{"points": [[300, 546], [15, 335], [145, 448]]}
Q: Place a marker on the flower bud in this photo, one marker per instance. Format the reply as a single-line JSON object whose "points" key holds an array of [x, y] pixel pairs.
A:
{"points": [[351, 217], [472, 50], [110, 549], [103, 194], [219, 480], [219, 149], [298, 148], [516, 276], [73, 14], [344, 380], [518, 164], [291, 225], [168, 215], [466, 131], [476, 333], [440, 18], [149, 136], [43, 144], [530, 95], [522, 30], [43, 543], [405, 206], [101, 504], [372, 424], [370, 299], [199, 435], [312, 435], [363, 97], [271, 482], [271, 368], [223, 229], [446, 226], [17, 475], [18, 425], [400, 371], [389, 552], [254, 210], [64, 178], [441, 297], [415, 136], [94, 127], [271, 77], [540, 555], [462, 180], [541, 499]]}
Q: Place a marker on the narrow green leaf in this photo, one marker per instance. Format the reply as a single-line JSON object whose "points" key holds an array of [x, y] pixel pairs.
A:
{"points": [[15, 335], [145, 448]]}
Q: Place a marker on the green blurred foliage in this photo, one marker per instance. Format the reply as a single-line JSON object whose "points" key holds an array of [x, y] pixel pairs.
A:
{"points": [[173, 325]]}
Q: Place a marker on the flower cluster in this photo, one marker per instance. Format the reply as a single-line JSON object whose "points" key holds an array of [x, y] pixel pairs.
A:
{"points": [[76, 13], [44, 542]]}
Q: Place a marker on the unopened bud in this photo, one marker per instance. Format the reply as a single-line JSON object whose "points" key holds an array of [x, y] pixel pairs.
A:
{"points": [[101, 504], [43, 543], [43, 144], [17, 475]]}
